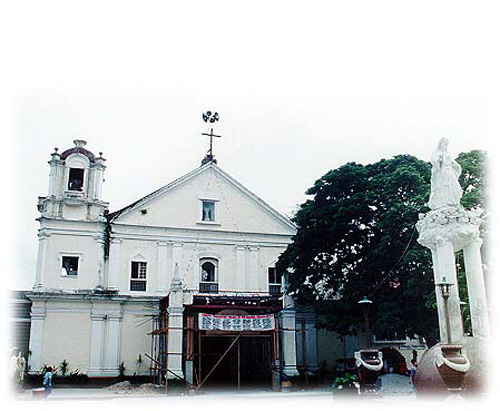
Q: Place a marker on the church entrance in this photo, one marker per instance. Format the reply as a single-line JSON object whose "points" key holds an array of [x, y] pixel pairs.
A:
{"points": [[235, 361], [231, 342]]}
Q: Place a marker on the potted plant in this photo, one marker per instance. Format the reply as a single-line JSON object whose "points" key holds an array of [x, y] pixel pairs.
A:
{"points": [[346, 385]]}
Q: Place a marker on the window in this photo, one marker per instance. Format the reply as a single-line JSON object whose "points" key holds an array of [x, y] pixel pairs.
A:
{"points": [[208, 272], [208, 211], [274, 278], [208, 276], [138, 276], [75, 180], [69, 265]]}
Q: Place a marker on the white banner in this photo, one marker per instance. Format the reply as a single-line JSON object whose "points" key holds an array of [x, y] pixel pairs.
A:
{"points": [[262, 322]]}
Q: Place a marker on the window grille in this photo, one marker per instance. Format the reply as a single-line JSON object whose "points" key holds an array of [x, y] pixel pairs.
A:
{"points": [[138, 276], [274, 279]]}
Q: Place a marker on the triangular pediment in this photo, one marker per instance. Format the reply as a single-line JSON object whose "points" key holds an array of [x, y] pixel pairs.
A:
{"points": [[179, 205]]}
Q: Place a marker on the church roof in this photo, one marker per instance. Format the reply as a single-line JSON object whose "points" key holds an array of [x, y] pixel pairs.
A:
{"points": [[181, 180]]}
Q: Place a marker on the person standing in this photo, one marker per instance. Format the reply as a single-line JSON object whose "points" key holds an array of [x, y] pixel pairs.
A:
{"points": [[47, 381], [413, 371]]}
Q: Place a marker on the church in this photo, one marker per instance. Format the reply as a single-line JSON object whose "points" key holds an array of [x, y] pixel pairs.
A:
{"points": [[179, 284]]}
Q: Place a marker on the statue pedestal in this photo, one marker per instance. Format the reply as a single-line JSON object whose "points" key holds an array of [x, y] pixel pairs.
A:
{"points": [[444, 231]]}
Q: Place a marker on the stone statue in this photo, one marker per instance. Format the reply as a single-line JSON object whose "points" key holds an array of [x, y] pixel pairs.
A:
{"points": [[21, 367], [445, 188]]}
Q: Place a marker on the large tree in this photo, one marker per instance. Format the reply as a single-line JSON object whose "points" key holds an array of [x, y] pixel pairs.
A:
{"points": [[356, 236]]}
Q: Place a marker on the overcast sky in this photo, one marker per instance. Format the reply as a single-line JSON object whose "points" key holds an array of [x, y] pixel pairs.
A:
{"points": [[300, 90]]}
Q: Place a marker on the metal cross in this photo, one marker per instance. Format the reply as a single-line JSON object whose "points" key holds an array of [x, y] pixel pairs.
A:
{"points": [[211, 135]]}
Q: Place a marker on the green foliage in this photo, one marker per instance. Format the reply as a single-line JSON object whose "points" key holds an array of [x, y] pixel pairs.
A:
{"points": [[347, 380], [473, 178], [356, 236], [64, 367]]}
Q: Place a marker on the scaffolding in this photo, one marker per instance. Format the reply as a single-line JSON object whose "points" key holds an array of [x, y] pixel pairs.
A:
{"points": [[195, 376]]}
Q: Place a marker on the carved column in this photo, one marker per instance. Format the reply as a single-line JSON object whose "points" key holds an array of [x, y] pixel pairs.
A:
{"points": [[445, 231], [476, 289]]}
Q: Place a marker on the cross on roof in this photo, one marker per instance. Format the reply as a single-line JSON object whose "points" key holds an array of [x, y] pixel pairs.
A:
{"points": [[211, 135], [210, 117]]}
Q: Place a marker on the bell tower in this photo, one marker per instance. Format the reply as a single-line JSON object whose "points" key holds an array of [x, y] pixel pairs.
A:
{"points": [[72, 234], [75, 185]]}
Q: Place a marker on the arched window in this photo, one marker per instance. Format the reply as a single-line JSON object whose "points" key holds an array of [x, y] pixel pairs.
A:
{"points": [[208, 275]]}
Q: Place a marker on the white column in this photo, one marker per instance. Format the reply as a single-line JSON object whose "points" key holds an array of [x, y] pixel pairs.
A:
{"points": [[114, 264], [240, 268], [98, 176], [54, 174], [40, 264], [113, 343], [476, 290], [161, 278], [175, 326], [101, 240], [36, 336], [253, 275], [446, 268], [288, 342], [175, 341], [96, 344]]}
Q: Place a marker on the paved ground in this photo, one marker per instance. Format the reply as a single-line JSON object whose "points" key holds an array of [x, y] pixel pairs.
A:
{"points": [[392, 387]]}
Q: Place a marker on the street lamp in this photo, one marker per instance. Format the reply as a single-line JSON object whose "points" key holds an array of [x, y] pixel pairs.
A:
{"points": [[444, 288], [365, 302]]}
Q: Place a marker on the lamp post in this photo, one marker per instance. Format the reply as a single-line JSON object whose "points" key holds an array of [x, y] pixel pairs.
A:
{"points": [[365, 302], [451, 362], [368, 361], [444, 288]]}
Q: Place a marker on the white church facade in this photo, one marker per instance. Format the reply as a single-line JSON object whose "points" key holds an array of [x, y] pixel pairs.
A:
{"points": [[175, 276]]}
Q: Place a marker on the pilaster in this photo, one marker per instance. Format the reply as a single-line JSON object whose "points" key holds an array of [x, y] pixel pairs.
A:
{"points": [[96, 343], [253, 275], [113, 343], [240, 267], [101, 241], [114, 264], [36, 335], [43, 236], [162, 275]]}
